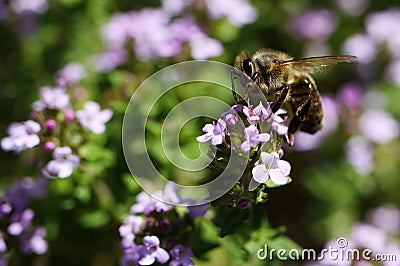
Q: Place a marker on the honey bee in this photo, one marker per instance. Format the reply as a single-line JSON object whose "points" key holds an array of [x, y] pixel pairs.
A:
{"points": [[288, 80]]}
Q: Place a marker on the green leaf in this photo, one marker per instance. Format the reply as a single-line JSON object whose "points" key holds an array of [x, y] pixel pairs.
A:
{"points": [[94, 219], [230, 220]]}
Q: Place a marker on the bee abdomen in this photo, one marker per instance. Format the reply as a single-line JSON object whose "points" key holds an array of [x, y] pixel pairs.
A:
{"points": [[313, 121]]}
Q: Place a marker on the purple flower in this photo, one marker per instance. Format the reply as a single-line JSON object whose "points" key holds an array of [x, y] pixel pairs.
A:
{"points": [[270, 167], [215, 132], [354, 7], [359, 154], [181, 256], [351, 96], [315, 24], [132, 225], [35, 6], [392, 72], [204, 47], [51, 124], [175, 7], [150, 251], [197, 211], [36, 243], [230, 119], [109, 60], [252, 117], [63, 164], [154, 38], [92, 118], [252, 138], [22, 136], [131, 256], [3, 245], [49, 146], [117, 31], [368, 236], [362, 46], [378, 126], [51, 98], [20, 222], [69, 115], [386, 217], [72, 73], [238, 12], [20, 194], [383, 25], [147, 204]]}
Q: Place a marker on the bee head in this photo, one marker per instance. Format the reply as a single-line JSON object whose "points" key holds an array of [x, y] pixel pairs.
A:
{"points": [[245, 64]]}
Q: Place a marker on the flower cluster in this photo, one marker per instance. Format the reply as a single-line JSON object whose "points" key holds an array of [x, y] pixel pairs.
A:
{"points": [[51, 123], [257, 134], [156, 232], [167, 30], [17, 232]]}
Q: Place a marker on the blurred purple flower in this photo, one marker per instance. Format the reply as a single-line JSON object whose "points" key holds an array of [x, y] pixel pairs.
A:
{"points": [[238, 12], [131, 226], [117, 31], [20, 194], [131, 256], [181, 256], [147, 204], [383, 25], [92, 118], [353, 7], [72, 73], [359, 154], [252, 137], [392, 71], [215, 132], [362, 46], [63, 164], [109, 60], [386, 217], [175, 7], [20, 222], [3, 245], [271, 167], [197, 211], [155, 39], [351, 96], [37, 244], [69, 115], [204, 47], [35, 6], [368, 236], [51, 98], [51, 124], [330, 121], [49, 146], [22, 136], [150, 251], [315, 24], [378, 126]]}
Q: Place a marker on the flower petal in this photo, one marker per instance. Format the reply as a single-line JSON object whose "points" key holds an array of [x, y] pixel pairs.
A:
{"points": [[245, 147], [161, 255], [147, 260], [264, 137], [284, 167], [204, 138], [260, 173], [277, 177], [217, 139]]}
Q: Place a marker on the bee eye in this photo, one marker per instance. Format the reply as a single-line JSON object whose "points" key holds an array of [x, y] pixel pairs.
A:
{"points": [[277, 62], [248, 67]]}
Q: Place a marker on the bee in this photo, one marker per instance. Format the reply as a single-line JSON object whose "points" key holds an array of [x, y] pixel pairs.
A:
{"points": [[288, 80]]}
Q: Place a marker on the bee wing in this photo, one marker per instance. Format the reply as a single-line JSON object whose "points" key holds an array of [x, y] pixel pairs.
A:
{"points": [[317, 64]]}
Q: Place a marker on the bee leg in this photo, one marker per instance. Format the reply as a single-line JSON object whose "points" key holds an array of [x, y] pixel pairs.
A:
{"points": [[281, 99], [300, 116]]}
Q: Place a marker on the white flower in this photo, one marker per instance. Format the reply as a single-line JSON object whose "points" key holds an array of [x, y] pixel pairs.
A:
{"points": [[272, 168]]}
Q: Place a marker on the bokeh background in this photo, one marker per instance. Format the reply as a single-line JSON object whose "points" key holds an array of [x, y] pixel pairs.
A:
{"points": [[345, 178]]}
